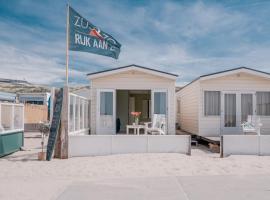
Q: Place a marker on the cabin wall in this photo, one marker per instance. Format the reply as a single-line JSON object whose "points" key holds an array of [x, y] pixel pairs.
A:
{"points": [[134, 80], [243, 82], [189, 102]]}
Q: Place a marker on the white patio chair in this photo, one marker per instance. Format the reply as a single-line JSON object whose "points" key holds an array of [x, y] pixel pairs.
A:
{"points": [[157, 126], [252, 125]]}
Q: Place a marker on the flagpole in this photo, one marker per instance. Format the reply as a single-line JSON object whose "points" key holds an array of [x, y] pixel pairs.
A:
{"points": [[67, 45]]}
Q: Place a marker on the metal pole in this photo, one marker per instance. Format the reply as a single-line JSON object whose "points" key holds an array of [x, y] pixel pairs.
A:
{"points": [[67, 45]]}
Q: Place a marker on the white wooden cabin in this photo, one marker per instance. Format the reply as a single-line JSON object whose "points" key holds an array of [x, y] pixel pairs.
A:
{"points": [[115, 93], [218, 103]]}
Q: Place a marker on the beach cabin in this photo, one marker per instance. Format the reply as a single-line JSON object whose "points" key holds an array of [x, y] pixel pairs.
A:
{"points": [[38, 98], [217, 104], [117, 92]]}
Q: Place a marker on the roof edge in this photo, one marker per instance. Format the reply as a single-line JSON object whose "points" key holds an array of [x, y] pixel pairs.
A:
{"points": [[132, 65], [224, 71]]}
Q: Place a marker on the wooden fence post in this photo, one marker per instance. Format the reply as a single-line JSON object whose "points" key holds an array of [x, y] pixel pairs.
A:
{"points": [[221, 147]]}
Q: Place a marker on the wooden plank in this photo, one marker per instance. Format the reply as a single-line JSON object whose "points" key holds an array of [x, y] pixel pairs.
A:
{"points": [[213, 140], [64, 126], [55, 125]]}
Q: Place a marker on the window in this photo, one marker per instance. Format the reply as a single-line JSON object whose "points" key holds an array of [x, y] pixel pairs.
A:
{"points": [[81, 113], [106, 103], [160, 103], [246, 106], [71, 113], [230, 110], [211, 103], [86, 111], [263, 103], [78, 114]]}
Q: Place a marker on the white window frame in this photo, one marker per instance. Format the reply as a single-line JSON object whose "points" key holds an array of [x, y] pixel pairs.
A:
{"points": [[203, 101]]}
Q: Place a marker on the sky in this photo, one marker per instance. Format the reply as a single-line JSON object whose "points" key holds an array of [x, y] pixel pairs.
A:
{"points": [[188, 38]]}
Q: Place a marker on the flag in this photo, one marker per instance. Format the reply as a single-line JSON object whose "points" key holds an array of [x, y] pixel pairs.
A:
{"points": [[86, 37]]}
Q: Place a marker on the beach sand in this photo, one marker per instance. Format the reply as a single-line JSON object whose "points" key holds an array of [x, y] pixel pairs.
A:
{"points": [[24, 177]]}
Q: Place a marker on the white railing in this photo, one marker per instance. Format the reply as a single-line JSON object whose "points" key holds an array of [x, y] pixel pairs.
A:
{"points": [[11, 117], [79, 123]]}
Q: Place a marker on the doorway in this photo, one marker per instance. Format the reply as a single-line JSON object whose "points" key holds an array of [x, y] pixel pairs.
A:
{"points": [[236, 107], [128, 101]]}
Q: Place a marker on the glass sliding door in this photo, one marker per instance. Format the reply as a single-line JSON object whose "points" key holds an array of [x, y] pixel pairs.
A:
{"points": [[230, 110], [106, 112]]}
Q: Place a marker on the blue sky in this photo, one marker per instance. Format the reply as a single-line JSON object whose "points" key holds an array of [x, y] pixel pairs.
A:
{"points": [[190, 38]]}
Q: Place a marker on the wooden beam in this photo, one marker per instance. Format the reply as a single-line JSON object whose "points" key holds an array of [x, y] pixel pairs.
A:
{"points": [[61, 150]]}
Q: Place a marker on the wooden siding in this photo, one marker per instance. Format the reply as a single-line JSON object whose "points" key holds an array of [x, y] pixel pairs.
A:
{"points": [[189, 104], [134, 80]]}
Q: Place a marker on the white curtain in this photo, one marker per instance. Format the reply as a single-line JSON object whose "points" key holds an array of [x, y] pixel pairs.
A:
{"points": [[263, 103], [246, 106], [230, 110], [211, 103]]}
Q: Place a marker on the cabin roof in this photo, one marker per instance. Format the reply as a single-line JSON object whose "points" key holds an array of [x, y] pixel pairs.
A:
{"points": [[230, 71]]}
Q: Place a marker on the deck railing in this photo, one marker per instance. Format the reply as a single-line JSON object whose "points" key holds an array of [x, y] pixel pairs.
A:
{"points": [[79, 122], [11, 117]]}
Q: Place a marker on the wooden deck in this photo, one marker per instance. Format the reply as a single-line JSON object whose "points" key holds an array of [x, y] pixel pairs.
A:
{"points": [[213, 140]]}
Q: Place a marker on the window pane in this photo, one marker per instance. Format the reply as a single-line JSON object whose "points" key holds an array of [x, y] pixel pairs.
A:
{"points": [[86, 115], [211, 103], [18, 117], [263, 103], [6, 117], [77, 110], [160, 103], [71, 113], [81, 113], [246, 106], [230, 110], [106, 103]]}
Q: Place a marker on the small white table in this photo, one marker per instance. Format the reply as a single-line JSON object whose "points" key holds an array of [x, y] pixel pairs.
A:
{"points": [[136, 128]]}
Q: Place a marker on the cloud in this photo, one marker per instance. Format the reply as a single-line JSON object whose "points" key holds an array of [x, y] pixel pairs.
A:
{"points": [[187, 38], [20, 64]]}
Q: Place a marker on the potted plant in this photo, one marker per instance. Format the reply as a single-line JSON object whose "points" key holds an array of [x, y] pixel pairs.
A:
{"points": [[136, 116], [44, 128]]}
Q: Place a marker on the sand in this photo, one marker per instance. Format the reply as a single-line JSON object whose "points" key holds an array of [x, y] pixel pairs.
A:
{"points": [[23, 176]]}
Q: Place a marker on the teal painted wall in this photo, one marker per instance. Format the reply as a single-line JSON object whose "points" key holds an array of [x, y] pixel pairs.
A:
{"points": [[10, 142]]}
